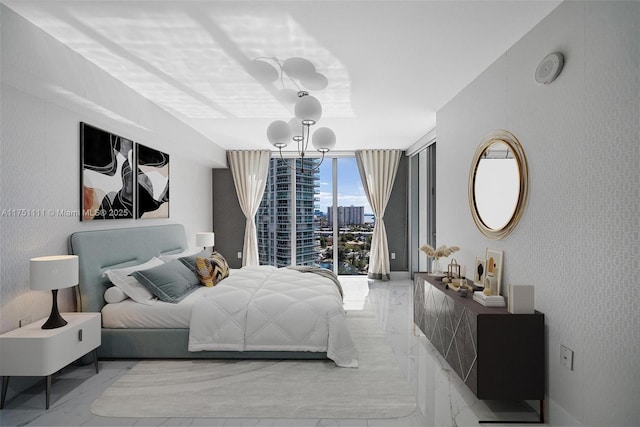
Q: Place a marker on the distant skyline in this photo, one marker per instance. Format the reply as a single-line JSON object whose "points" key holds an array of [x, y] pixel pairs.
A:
{"points": [[350, 190]]}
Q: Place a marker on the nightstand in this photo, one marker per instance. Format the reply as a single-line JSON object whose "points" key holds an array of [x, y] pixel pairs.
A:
{"points": [[33, 351]]}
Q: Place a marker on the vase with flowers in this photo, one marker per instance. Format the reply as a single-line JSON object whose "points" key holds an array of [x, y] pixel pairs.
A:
{"points": [[437, 253]]}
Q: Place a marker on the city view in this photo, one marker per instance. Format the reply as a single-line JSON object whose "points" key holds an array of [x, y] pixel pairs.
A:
{"points": [[309, 214]]}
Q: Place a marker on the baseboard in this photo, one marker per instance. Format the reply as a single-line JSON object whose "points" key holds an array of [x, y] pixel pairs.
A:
{"points": [[557, 416]]}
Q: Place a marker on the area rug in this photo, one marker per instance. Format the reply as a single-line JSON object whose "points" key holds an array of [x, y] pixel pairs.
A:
{"points": [[267, 389]]}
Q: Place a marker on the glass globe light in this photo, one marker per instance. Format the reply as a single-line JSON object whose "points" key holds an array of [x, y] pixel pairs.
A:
{"points": [[308, 110], [324, 139], [279, 134], [296, 129]]}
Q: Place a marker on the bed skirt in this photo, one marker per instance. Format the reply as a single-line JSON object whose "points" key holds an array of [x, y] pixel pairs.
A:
{"points": [[172, 344]]}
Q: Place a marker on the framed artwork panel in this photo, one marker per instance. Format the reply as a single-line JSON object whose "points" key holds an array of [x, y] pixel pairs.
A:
{"points": [[106, 175], [494, 266], [152, 183], [479, 271]]}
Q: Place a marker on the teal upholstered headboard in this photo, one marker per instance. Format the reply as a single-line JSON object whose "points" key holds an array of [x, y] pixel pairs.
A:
{"points": [[99, 250]]}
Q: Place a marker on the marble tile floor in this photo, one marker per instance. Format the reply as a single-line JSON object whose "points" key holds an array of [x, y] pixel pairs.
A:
{"points": [[442, 399]]}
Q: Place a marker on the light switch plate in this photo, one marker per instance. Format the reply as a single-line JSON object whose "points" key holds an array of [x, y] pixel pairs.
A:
{"points": [[566, 357]]}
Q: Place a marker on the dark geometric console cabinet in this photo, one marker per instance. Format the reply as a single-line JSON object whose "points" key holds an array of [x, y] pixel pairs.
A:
{"points": [[498, 355]]}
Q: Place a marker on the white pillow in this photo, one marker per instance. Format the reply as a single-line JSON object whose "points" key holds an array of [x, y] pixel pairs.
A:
{"points": [[186, 252], [114, 294], [129, 285]]}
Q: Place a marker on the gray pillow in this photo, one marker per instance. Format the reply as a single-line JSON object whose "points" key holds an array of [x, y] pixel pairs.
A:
{"points": [[190, 261], [170, 282]]}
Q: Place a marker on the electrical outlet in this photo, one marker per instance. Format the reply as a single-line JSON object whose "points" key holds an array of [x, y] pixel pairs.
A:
{"points": [[566, 357], [393, 255], [24, 322], [239, 255]]}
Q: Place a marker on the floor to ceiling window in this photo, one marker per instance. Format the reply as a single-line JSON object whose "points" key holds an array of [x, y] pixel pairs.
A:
{"points": [[423, 204], [326, 210]]}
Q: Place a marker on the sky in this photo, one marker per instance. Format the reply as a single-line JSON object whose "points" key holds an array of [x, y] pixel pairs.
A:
{"points": [[350, 190]]}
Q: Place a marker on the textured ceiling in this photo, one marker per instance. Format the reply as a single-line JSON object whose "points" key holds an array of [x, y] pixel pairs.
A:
{"points": [[390, 64]]}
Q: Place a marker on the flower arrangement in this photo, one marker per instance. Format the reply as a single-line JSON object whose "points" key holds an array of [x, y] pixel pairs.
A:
{"points": [[441, 251]]}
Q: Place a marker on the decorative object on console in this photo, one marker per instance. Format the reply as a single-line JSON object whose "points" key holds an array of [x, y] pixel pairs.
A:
{"points": [[479, 271], [521, 299], [53, 273], [440, 251], [489, 286], [494, 268], [152, 183], [488, 300], [453, 269], [205, 239], [106, 176], [302, 74]]}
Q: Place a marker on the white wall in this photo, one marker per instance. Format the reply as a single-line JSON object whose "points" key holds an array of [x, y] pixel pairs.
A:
{"points": [[47, 90], [578, 241]]}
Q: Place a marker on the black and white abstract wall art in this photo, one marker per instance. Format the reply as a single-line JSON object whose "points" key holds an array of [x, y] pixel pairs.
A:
{"points": [[152, 177], [106, 175]]}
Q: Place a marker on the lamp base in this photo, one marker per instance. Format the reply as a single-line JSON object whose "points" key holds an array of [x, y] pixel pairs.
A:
{"points": [[54, 320]]}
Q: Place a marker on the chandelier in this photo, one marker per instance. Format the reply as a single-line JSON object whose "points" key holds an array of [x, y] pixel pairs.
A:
{"points": [[302, 74]]}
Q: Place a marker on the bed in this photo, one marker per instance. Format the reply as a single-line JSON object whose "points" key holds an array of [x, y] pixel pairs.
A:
{"points": [[172, 335]]}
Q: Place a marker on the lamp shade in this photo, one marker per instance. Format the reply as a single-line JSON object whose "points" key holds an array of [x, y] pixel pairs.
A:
{"points": [[297, 129], [308, 110], [53, 272], [323, 139], [205, 239], [279, 133]]}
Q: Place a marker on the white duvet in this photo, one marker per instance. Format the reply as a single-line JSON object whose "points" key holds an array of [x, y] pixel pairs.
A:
{"points": [[266, 308]]}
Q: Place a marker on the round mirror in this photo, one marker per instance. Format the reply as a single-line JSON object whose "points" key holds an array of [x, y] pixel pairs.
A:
{"points": [[498, 184]]}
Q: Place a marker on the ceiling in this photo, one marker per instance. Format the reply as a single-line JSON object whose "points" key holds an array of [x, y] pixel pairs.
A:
{"points": [[390, 64]]}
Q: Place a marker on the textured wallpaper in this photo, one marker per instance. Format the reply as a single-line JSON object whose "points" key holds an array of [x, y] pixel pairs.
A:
{"points": [[578, 241], [46, 91]]}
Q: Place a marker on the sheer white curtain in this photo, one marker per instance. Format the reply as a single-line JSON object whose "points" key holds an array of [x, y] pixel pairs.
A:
{"points": [[249, 170], [378, 172]]}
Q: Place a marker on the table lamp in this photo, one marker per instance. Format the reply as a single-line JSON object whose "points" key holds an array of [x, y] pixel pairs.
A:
{"points": [[205, 239], [53, 273]]}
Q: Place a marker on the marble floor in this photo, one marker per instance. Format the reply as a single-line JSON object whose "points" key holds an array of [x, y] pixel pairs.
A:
{"points": [[442, 399]]}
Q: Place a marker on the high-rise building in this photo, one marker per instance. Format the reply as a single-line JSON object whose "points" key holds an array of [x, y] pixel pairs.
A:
{"points": [[288, 192], [347, 215]]}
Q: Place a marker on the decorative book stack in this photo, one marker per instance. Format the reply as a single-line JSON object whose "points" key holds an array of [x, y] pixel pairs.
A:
{"points": [[488, 300]]}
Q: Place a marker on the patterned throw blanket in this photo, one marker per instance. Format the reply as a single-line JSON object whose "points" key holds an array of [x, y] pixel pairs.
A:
{"points": [[321, 272]]}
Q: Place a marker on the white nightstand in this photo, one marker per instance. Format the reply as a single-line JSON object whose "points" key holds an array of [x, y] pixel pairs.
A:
{"points": [[33, 351]]}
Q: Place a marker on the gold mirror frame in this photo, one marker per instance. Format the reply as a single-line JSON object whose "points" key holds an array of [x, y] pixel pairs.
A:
{"points": [[512, 142]]}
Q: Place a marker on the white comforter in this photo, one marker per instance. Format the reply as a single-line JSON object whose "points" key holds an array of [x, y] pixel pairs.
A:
{"points": [[269, 309]]}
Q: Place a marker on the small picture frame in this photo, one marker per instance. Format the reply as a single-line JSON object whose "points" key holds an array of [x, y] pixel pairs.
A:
{"points": [[479, 270], [494, 266]]}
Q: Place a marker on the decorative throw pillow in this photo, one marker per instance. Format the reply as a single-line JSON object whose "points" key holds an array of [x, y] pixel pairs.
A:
{"points": [[129, 285], [114, 295], [219, 265], [204, 269], [189, 252], [170, 282], [190, 260]]}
